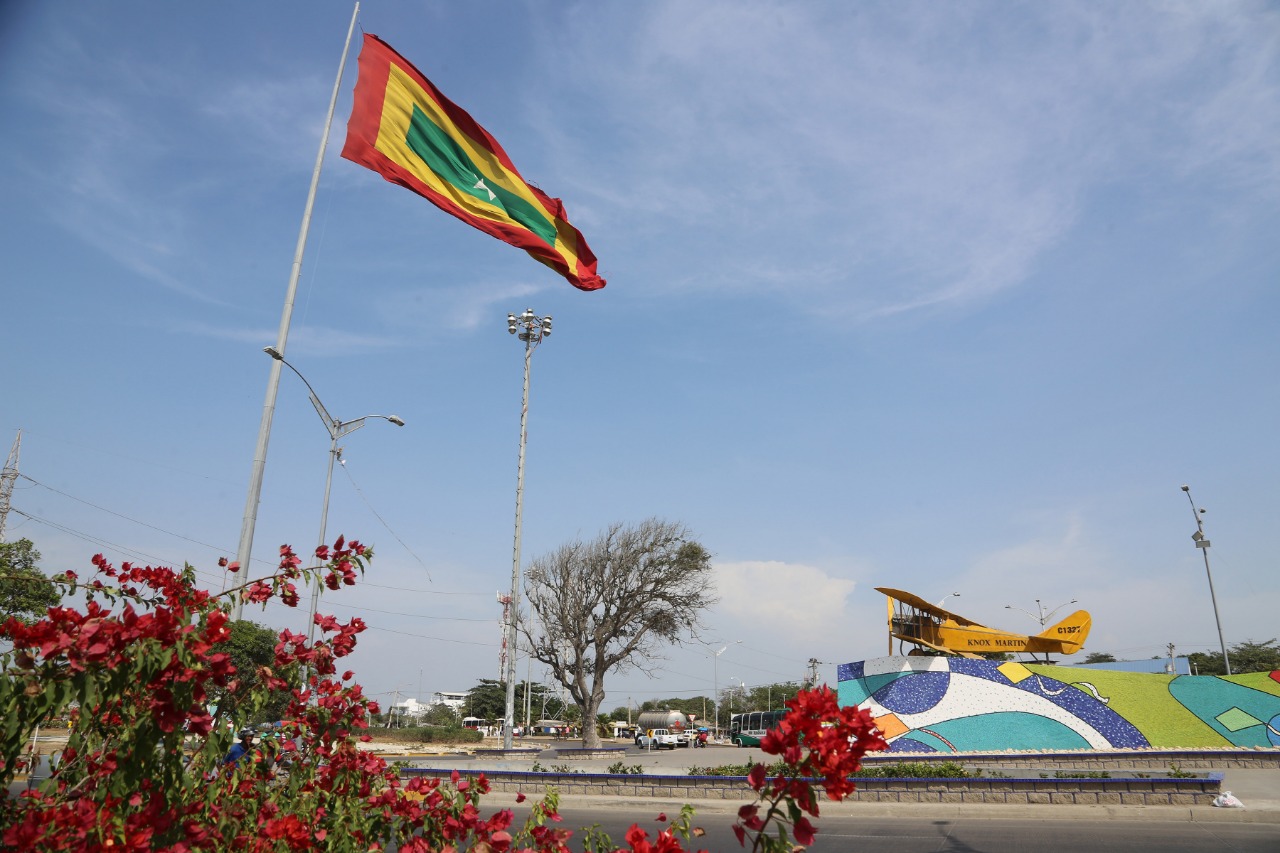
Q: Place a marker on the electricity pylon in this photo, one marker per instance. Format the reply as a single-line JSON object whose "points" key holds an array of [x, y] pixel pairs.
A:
{"points": [[9, 476]]}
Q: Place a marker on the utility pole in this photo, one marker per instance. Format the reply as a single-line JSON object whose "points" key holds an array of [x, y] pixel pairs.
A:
{"points": [[813, 671], [8, 477], [1173, 667]]}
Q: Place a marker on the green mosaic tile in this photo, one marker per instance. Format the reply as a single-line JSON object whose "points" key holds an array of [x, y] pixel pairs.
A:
{"points": [[1234, 720]]}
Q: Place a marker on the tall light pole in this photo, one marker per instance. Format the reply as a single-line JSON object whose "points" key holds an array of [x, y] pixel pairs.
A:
{"points": [[715, 684], [245, 549], [1203, 545], [531, 329], [337, 429]]}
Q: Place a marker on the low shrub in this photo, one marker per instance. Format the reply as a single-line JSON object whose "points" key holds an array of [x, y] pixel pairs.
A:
{"points": [[429, 734], [915, 770], [621, 769]]}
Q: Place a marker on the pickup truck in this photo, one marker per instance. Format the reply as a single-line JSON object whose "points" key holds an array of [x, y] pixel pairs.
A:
{"points": [[658, 739]]}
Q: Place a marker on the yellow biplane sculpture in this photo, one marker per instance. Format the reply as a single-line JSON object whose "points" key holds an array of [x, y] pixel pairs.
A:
{"points": [[927, 626]]}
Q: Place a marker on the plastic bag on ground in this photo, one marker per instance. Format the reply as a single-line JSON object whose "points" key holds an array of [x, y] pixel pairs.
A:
{"points": [[1227, 800]]}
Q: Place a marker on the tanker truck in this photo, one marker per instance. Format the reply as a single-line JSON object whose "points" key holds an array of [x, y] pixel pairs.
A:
{"points": [[673, 721]]}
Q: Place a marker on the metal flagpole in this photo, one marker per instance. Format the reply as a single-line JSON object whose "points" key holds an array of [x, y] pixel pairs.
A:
{"points": [[273, 382]]}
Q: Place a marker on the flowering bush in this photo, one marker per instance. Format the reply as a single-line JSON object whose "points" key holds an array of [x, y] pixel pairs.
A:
{"points": [[820, 743], [144, 765]]}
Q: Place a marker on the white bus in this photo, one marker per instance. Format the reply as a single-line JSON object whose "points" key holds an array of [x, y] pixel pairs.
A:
{"points": [[747, 729]]}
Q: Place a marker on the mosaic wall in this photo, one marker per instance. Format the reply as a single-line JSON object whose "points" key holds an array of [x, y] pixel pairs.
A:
{"points": [[941, 704]]}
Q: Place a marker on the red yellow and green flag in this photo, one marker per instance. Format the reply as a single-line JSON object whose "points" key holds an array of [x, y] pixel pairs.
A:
{"points": [[404, 129]]}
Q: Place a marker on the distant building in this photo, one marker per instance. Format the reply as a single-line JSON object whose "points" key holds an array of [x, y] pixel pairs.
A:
{"points": [[408, 709], [1157, 665], [456, 700]]}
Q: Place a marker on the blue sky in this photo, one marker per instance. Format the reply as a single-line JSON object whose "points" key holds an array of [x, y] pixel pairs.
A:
{"points": [[948, 297]]}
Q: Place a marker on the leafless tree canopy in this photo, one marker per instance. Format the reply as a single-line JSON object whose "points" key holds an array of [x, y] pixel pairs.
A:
{"points": [[614, 603]]}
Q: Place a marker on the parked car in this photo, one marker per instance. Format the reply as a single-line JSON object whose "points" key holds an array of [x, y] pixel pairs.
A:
{"points": [[658, 739]]}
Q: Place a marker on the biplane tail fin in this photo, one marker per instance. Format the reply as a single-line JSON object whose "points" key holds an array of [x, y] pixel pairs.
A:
{"points": [[1070, 632]]}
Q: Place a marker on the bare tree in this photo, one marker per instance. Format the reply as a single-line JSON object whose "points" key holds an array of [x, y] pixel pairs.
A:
{"points": [[614, 603]]}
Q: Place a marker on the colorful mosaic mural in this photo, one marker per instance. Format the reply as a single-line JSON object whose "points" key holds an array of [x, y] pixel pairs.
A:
{"points": [[946, 704]]}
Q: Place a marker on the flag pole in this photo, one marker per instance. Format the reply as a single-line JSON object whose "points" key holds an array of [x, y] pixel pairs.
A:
{"points": [[273, 382]]}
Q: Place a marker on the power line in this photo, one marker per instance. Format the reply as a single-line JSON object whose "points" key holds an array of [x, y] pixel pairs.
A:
{"points": [[110, 546], [217, 548], [423, 591], [435, 639], [364, 609], [48, 436], [360, 492]]}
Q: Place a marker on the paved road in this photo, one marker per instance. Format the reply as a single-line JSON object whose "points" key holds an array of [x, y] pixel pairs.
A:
{"points": [[1258, 789], [914, 834]]}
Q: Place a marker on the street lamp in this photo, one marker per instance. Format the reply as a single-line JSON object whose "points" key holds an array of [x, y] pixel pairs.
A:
{"points": [[1042, 617], [715, 684], [337, 429], [945, 597], [531, 329], [1203, 545]]}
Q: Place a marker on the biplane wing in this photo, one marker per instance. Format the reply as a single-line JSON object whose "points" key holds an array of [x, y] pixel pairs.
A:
{"points": [[914, 620], [920, 604]]}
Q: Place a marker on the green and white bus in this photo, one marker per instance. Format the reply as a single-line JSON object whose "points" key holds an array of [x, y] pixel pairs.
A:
{"points": [[747, 729]]}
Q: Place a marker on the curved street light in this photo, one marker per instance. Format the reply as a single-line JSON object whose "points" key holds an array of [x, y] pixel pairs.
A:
{"points": [[531, 329], [1042, 617], [715, 685], [337, 429], [1203, 545]]}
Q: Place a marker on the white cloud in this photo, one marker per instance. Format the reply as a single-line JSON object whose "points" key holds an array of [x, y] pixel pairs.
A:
{"points": [[802, 603]]}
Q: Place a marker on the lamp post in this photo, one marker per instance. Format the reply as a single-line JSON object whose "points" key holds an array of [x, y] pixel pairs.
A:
{"points": [[715, 684], [945, 597], [1203, 545], [337, 429], [531, 329], [1042, 617]]}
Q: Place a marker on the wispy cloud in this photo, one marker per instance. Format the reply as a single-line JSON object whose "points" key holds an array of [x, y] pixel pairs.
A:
{"points": [[900, 161], [308, 340], [120, 138], [461, 308]]}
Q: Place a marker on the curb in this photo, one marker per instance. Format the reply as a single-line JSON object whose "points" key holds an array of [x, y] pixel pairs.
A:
{"points": [[953, 811]]}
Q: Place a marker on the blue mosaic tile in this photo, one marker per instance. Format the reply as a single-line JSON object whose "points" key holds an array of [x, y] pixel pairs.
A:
{"points": [[914, 693], [1118, 731], [849, 671], [906, 744]]}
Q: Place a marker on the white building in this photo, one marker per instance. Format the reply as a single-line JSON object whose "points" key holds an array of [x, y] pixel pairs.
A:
{"points": [[456, 700], [408, 709]]}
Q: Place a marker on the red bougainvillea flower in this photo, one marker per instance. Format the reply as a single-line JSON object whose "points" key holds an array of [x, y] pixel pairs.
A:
{"points": [[820, 739]]}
